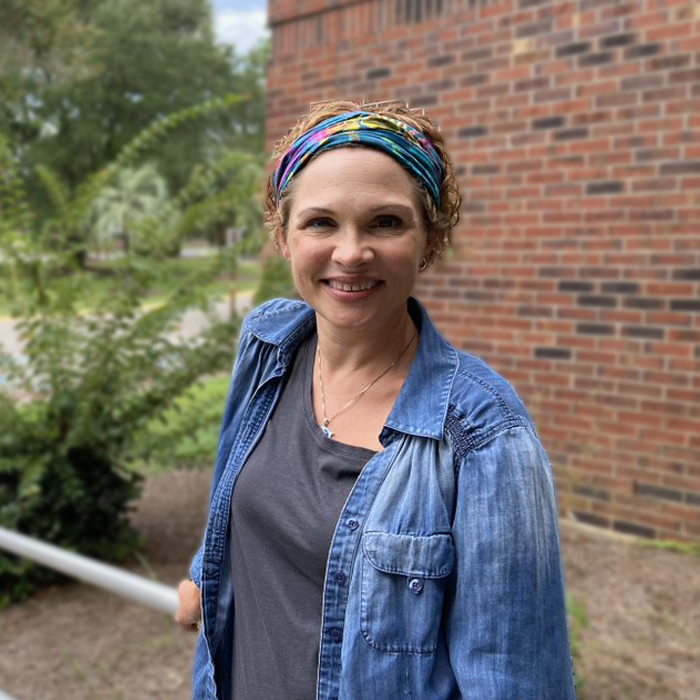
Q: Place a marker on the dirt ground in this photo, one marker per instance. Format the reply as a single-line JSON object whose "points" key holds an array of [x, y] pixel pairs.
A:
{"points": [[76, 643]]}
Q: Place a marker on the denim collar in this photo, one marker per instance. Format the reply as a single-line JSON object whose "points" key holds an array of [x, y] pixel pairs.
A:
{"points": [[421, 407]]}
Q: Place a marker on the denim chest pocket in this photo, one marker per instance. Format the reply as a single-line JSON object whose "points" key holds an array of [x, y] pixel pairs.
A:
{"points": [[402, 590]]}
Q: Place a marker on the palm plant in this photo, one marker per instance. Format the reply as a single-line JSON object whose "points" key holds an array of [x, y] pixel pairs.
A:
{"points": [[133, 195]]}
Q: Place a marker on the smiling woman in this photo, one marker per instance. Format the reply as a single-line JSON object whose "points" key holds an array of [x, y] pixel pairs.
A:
{"points": [[393, 530]]}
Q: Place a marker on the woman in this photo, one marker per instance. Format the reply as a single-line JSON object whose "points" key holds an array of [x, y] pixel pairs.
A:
{"points": [[392, 532]]}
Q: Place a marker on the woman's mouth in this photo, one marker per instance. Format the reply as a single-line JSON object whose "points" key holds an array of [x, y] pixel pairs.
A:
{"points": [[352, 286], [350, 289]]}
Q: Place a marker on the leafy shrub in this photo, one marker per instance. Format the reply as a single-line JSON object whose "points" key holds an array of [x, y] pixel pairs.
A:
{"points": [[90, 380]]}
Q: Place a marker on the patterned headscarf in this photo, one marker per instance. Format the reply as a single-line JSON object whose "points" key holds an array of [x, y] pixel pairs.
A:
{"points": [[401, 141]]}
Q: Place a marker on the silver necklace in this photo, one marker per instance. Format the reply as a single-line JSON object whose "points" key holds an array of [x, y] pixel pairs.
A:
{"points": [[327, 421]]}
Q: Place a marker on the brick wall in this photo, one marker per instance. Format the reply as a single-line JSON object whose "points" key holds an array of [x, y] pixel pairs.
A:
{"points": [[576, 266]]}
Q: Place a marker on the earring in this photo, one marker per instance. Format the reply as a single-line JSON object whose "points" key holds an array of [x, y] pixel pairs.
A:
{"points": [[423, 264]]}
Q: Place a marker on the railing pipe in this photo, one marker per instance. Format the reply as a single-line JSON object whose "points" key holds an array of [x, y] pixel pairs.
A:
{"points": [[149, 593]]}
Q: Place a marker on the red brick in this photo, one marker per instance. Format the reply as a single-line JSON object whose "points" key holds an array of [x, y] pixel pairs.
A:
{"points": [[531, 226]]}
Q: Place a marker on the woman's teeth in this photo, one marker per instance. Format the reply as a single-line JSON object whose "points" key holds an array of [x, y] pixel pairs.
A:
{"points": [[352, 287]]}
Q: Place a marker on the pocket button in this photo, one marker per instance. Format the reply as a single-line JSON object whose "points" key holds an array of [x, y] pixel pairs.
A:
{"points": [[416, 585]]}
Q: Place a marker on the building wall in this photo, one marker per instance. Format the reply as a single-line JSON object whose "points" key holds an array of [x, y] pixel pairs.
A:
{"points": [[575, 271]]}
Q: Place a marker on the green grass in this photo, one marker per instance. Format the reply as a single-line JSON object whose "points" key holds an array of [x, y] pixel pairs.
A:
{"points": [[689, 548], [578, 621], [189, 434]]}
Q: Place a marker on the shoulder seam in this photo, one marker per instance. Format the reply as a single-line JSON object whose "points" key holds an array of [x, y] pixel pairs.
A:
{"points": [[466, 440]]}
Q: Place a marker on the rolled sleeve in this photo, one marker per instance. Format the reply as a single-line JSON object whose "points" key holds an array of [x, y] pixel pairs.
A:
{"points": [[506, 623]]}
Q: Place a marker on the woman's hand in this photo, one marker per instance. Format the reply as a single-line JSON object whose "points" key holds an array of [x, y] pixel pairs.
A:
{"points": [[190, 612]]}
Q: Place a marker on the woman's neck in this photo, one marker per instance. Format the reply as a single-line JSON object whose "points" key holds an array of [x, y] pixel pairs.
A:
{"points": [[348, 351]]}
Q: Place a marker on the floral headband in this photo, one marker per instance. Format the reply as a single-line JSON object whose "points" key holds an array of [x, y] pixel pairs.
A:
{"points": [[404, 143]]}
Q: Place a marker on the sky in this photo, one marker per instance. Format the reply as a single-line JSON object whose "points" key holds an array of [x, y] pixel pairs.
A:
{"points": [[240, 22]]}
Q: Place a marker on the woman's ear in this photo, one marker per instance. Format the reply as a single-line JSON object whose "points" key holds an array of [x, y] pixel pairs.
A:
{"points": [[282, 243]]}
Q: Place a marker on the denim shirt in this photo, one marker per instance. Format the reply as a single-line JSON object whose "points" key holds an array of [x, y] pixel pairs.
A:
{"points": [[443, 579]]}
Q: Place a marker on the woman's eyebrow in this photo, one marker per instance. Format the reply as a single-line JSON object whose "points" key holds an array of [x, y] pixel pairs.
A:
{"points": [[379, 207]]}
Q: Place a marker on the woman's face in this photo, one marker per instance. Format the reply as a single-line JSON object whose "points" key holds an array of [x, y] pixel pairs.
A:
{"points": [[355, 237]]}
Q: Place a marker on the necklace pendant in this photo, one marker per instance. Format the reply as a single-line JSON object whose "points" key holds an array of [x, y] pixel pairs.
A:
{"points": [[326, 430]]}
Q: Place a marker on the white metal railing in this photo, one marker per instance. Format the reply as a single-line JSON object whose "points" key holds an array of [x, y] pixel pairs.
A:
{"points": [[140, 590]]}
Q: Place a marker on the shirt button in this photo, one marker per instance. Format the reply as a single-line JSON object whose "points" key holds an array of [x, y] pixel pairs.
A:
{"points": [[336, 634], [416, 585], [340, 578], [352, 524]]}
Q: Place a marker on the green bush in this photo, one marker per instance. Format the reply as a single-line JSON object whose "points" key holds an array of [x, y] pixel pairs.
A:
{"points": [[91, 380], [187, 434]]}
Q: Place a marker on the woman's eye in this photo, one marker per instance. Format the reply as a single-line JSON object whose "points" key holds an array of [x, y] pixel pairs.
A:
{"points": [[319, 223], [388, 222]]}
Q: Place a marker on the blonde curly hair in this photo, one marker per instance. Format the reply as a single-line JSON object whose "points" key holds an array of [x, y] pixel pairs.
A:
{"points": [[439, 221]]}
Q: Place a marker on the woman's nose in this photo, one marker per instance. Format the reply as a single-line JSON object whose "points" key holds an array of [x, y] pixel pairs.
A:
{"points": [[352, 249]]}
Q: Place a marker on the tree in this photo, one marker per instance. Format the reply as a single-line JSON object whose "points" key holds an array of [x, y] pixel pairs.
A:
{"points": [[139, 60]]}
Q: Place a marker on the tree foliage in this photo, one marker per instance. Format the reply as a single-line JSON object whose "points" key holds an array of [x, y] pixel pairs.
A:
{"points": [[79, 79], [95, 369]]}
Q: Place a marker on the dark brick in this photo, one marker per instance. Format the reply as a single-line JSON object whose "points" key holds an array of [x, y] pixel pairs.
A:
{"points": [[690, 274], [471, 132], [570, 134], [654, 491], [693, 499], [591, 518], [476, 79], [541, 311], [634, 529], [575, 286], [532, 84], [620, 287], [643, 303], [604, 187], [595, 329], [535, 28], [486, 169], [573, 49], [685, 76], [438, 61], [594, 300], [441, 85], [424, 101], [681, 167], [611, 42], [595, 59], [669, 62], [642, 51], [548, 123], [591, 492], [378, 73], [685, 304], [477, 54], [552, 271], [599, 272], [553, 353], [500, 284], [643, 332], [479, 296]]}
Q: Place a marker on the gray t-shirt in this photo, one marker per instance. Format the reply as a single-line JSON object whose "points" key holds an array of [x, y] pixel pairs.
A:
{"points": [[284, 509]]}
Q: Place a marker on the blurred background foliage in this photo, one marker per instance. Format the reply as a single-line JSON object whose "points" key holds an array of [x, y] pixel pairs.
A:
{"points": [[126, 134]]}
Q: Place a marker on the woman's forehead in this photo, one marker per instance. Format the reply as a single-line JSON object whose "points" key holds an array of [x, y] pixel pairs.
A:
{"points": [[353, 167]]}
